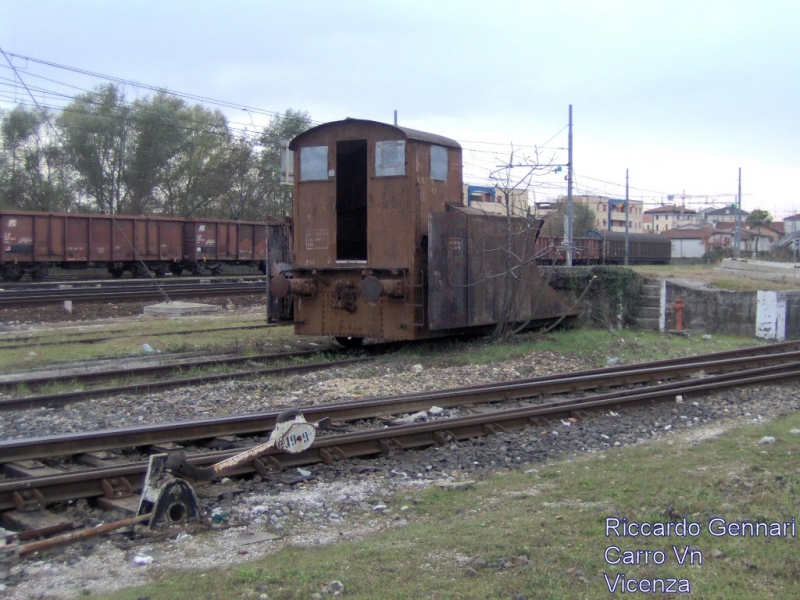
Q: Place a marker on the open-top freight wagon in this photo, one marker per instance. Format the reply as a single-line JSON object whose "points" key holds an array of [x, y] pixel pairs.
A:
{"points": [[32, 242], [384, 247], [606, 247]]}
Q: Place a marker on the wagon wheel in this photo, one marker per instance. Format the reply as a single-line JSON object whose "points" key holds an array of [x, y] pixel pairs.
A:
{"points": [[176, 269], [140, 271], [12, 273], [116, 273], [349, 341], [38, 273]]}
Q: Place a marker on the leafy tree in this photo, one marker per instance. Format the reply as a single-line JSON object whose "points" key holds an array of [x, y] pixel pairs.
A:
{"points": [[756, 219], [33, 173], [96, 129], [759, 217], [242, 200], [162, 125], [196, 179], [276, 196], [156, 155], [583, 219]]}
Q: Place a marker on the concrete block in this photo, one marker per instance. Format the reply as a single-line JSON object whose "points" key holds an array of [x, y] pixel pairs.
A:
{"points": [[180, 309]]}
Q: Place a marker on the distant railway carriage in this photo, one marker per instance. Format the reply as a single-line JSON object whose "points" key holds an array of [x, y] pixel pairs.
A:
{"points": [[551, 251], [385, 249], [32, 242], [643, 248], [605, 247]]}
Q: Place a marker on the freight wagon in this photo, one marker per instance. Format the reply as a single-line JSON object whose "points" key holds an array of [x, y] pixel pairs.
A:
{"points": [[605, 247], [551, 251], [32, 242], [384, 247], [643, 248]]}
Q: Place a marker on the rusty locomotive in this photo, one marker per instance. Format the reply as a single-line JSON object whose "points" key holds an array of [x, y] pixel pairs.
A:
{"points": [[384, 247], [32, 242]]}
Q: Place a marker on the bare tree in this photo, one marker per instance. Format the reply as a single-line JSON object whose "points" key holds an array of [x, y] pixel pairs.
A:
{"points": [[521, 288]]}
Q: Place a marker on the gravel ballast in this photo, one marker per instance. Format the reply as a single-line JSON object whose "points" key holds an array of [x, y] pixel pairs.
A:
{"points": [[322, 504]]}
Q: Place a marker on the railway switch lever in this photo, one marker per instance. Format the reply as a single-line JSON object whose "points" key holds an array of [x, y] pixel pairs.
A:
{"points": [[171, 499]]}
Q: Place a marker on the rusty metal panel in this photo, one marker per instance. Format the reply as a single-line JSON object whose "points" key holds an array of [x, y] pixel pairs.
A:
{"points": [[505, 283], [139, 248], [170, 239], [243, 234], [152, 239], [447, 271], [279, 242], [123, 238], [226, 240], [18, 237], [277, 237], [432, 195], [48, 237], [200, 240], [485, 269], [99, 237], [315, 224], [390, 223], [77, 237]]}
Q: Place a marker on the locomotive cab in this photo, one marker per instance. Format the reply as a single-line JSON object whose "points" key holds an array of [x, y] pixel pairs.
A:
{"points": [[368, 196], [362, 194]]}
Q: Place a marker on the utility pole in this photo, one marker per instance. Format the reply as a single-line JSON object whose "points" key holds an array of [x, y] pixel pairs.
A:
{"points": [[627, 213], [568, 232], [738, 237]]}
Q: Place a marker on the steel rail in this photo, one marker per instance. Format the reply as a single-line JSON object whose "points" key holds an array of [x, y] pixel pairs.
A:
{"points": [[129, 282], [11, 299], [83, 337], [148, 387], [260, 423], [34, 383], [98, 481]]}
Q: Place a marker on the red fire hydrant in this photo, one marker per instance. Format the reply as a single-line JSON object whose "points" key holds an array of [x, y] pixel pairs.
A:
{"points": [[678, 306]]}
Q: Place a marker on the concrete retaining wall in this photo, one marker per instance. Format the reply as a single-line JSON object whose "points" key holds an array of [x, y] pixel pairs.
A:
{"points": [[763, 314]]}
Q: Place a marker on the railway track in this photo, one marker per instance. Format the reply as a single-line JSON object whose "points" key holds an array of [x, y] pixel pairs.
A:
{"points": [[132, 290], [35, 339], [113, 477], [128, 373]]}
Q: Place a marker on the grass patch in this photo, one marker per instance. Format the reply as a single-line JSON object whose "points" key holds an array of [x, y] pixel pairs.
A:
{"points": [[745, 284], [543, 533], [595, 346], [708, 274], [699, 272], [167, 336]]}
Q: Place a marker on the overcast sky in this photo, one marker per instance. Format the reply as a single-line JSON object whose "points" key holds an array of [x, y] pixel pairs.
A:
{"points": [[682, 93]]}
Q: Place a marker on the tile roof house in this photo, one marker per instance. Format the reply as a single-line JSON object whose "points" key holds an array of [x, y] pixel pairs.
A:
{"points": [[694, 241]]}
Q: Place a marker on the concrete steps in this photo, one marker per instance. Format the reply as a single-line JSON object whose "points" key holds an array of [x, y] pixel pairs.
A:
{"points": [[650, 309]]}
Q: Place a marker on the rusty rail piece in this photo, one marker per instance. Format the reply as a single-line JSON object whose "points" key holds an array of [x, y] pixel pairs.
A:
{"points": [[76, 536], [259, 423], [45, 400], [108, 481]]}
